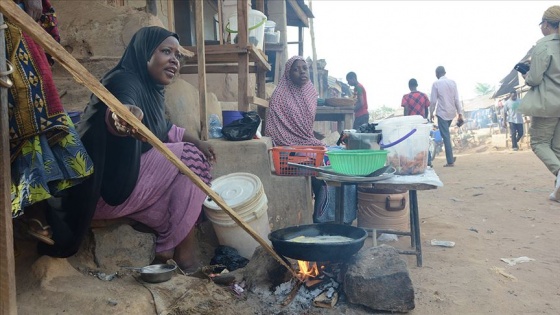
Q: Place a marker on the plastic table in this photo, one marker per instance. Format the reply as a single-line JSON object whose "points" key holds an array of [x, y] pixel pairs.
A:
{"points": [[425, 181]]}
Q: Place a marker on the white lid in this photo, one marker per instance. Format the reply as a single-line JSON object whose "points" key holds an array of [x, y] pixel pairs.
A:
{"points": [[236, 189], [403, 120]]}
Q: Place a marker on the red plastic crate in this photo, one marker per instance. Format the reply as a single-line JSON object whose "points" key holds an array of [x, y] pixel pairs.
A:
{"points": [[307, 155]]}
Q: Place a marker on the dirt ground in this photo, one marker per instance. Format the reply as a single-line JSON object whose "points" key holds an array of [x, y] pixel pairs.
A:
{"points": [[493, 205]]}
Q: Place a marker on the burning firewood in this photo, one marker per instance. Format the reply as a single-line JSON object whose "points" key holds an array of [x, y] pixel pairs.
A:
{"points": [[312, 283], [327, 299]]}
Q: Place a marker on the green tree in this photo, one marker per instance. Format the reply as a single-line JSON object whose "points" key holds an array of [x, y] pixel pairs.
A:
{"points": [[483, 89]]}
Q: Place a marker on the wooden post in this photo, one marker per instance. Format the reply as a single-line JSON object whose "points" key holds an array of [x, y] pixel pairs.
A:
{"points": [[221, 21], [171, 15], [83, 76], [201, 59], [315, 74], [7, 261], [243, 71]]}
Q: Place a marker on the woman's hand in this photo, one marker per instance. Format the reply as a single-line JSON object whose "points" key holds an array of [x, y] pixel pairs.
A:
{"points": [[207, 149], [34, 8], [124, 128]]}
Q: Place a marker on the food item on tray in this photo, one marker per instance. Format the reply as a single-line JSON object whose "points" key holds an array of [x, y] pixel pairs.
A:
{"points": [[404, 165], [321, 239]]}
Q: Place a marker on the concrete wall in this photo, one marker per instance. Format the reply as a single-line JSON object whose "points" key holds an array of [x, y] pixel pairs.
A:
{"points": [[289, 197]]}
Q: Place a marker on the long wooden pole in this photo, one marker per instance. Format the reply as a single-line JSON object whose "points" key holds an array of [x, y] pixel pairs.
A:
{"points": [[201, 53], [82, 76], [7, 261], [316, 82]]}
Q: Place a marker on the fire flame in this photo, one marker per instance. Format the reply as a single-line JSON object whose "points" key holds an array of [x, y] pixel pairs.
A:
{"points": [[308, 269]]}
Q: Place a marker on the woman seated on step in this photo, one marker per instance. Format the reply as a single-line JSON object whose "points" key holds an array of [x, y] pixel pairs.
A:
{"points": [[289, 121], [131, 178]]}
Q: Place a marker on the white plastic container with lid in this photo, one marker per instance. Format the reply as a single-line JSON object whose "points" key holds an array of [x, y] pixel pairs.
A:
{"points": [[270, 35], [244, 193], [407, 139], [255, 26], [269, 27]]}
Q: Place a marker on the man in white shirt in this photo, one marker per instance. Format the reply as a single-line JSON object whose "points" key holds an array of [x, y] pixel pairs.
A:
{"points": [[444, 100], [514, 118]]}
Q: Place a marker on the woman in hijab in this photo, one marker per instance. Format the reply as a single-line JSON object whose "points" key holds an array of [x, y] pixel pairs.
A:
{"points": [[132, 179], [542, 101], [292, 107], [289, 121]]}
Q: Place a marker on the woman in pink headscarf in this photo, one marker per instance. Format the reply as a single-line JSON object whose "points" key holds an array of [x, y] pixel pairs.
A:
{"points": [[289, 121], [292, 107]]}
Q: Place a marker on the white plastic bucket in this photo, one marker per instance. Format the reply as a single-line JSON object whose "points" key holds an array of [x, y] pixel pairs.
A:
{"points": [[407, 139], [255, 25], [244, 193]]}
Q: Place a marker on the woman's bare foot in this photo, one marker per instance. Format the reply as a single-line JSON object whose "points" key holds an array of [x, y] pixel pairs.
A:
{"points": [[163, 257], [186, 253]]}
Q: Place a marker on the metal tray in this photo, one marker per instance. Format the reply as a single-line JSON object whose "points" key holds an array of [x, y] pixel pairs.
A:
{"points": [[356, 179]]}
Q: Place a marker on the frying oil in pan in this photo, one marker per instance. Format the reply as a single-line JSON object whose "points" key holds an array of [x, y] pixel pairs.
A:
{"points": [[321, 239]]}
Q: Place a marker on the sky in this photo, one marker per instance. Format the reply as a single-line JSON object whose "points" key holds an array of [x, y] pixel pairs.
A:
{"points": [[389, 42]]}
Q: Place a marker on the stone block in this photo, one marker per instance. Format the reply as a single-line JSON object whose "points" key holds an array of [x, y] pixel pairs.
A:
{"points": [[378, 278], [263, 271]]}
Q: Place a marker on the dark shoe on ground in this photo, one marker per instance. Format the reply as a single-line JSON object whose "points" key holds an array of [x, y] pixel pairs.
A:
{"points": [[452, 164]]}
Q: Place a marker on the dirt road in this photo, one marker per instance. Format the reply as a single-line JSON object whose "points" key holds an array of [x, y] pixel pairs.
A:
{"points": [[493, 205]]}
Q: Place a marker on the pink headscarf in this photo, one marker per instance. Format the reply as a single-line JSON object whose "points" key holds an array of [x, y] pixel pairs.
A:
{"points": [[291, 113]]}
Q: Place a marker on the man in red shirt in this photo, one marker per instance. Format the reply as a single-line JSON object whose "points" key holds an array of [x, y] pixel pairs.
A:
{"points": [[415, 102], [361, 114]]}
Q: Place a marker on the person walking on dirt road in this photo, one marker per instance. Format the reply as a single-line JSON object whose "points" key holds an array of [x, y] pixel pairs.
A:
{"points": [[444, 102]]}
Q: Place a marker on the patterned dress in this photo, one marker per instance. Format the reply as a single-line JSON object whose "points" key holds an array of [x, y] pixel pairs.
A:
{"points": [[46, 153]]}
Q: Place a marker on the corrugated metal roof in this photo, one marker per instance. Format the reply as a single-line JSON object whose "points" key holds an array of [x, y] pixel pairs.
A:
{"points": [[511, 80]]}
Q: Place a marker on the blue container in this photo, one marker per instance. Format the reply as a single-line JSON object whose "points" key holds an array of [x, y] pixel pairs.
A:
{"points": [[228, 116]]}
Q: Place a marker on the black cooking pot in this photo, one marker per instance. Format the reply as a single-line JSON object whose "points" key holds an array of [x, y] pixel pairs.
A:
{"points": [[320, 251]]}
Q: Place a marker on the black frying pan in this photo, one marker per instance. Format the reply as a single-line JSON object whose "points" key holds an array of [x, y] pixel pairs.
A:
{"points": [[335, 251]]}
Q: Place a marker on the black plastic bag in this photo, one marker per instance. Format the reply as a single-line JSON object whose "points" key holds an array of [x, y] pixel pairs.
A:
{"points": [[228, 257], [244, 128]]}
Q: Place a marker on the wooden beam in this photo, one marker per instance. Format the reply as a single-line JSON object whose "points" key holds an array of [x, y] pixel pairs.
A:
{"points": [[171, 15], [193, 69], [83, 76], [7, 261], [260, 6], [200, 48], [221, 21], [314, 50], [261, 102], [299, 12], [243, 62]]}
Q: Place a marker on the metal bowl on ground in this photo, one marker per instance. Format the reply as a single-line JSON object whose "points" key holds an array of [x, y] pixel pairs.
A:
{"points": [[349, 240], [157, 273]]}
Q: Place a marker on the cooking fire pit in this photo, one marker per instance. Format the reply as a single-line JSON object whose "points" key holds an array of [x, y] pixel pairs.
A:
{"points": [[318, 242]]}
